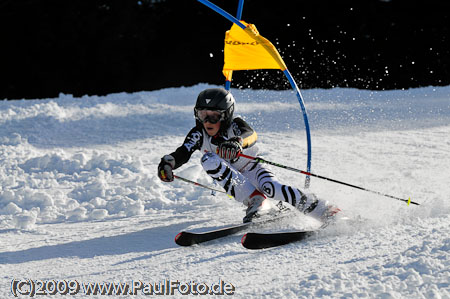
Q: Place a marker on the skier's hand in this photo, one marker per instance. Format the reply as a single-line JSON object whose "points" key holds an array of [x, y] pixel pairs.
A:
{"points": [[230, 149], [165, 168]]}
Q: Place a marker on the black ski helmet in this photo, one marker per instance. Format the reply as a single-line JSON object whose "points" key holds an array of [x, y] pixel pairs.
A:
{"points": [[217, 99]]}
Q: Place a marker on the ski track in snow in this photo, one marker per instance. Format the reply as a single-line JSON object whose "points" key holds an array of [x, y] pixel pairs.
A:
{"points": [[80, 199]]}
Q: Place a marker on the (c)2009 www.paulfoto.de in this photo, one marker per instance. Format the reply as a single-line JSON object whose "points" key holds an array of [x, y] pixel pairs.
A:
{"points": [[33, 287]]}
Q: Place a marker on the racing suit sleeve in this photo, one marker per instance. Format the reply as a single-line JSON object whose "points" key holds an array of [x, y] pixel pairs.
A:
{"points": [[245, 131], [192, 142]]}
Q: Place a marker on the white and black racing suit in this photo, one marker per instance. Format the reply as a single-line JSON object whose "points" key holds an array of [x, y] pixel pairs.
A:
{"points": [[239, 179]]}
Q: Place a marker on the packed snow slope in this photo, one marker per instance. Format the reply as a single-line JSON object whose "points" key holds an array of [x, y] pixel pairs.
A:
{"points": [[80, 199]]}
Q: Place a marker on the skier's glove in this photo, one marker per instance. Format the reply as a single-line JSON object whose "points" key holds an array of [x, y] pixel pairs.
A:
{"points": [[165, 168], [230, 149]]}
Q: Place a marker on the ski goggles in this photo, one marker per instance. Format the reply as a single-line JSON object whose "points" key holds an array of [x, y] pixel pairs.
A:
{"points": [[211, 116]]}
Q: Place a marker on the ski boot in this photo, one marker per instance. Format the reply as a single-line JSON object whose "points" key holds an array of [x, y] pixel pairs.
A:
{"points": [[318, 209], [257, 204]]}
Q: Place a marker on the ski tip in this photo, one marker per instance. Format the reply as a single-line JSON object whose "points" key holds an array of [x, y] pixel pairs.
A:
{"points": [[183, 239], [243, 239], [178, 237]]}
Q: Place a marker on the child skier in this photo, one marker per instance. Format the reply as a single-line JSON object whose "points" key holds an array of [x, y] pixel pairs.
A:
{"points": [[222, 138]]}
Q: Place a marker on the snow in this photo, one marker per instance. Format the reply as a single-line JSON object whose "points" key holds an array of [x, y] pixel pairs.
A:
{"points": [[80, 199]]}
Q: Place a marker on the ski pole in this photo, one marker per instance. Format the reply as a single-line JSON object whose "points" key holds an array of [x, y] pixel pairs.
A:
{"points": [[200, 185], [408, 201]]}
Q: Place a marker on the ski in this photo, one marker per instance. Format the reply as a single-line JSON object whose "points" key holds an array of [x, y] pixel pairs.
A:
{"points": [[254, 240], [268, 240], [186, 238]]}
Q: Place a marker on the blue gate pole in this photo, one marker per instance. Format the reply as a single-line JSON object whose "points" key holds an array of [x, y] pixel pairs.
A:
{"points": [[239, 17], [240, 8], [222, 12], [305, 119], [227, 85]]}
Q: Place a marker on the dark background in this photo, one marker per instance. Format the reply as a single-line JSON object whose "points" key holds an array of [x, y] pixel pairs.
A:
{"points": [[96, 47]]}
